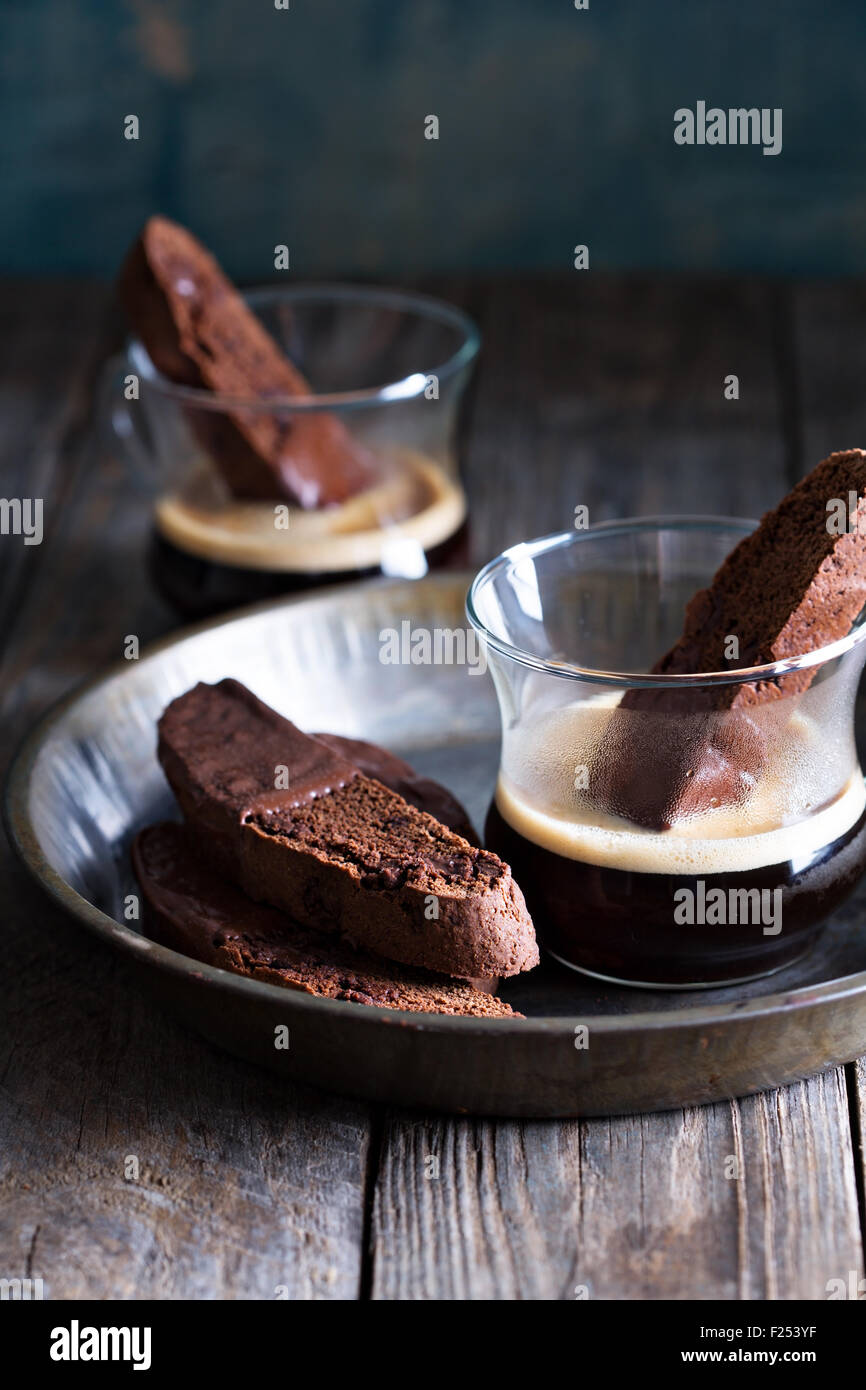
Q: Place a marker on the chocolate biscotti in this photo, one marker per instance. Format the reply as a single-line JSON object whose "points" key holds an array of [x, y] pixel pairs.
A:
{"points": [[200, 332], [401, 777], [194, 911], [294, 824], [793, 585]]}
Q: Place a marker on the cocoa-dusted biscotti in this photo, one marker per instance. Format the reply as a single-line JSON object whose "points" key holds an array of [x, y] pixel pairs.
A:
{"points": [[294, 824], [200, 332], [793, 585], [401, 777], [423, 792], [193, 911]]}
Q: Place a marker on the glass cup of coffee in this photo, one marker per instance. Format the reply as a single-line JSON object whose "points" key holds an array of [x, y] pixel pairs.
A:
{"points": [[667, 831], [388, 367]]}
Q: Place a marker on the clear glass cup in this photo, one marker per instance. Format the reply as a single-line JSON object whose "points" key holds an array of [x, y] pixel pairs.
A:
{"points": [[666, 831], [391, 366]]}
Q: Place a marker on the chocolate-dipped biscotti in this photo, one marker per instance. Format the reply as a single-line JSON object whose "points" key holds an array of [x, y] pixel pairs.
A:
{"points": [[194, 911], [791, 586], [293, 823], [200, 332]]}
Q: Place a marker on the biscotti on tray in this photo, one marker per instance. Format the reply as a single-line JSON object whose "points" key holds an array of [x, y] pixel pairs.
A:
{"points": [[194, 911], [335, 849], [358, 878]]}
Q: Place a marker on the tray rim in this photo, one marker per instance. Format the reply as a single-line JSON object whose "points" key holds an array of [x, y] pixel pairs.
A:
{"points": [[24, 841]]}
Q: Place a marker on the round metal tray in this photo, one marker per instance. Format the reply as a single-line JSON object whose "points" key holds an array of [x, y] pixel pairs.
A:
{"points": [[86, 779]]}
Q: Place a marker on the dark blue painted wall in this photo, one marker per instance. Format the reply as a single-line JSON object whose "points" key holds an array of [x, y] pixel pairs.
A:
{"points": [[305, 127]]}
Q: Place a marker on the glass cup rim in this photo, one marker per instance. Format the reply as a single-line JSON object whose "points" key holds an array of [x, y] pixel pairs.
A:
{"points": [[745, 675], [405, 388]]}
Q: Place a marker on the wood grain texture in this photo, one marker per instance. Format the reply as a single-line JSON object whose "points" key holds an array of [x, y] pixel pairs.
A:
{"points": [[755, 1199], [829, 358], [46, 374], [828, 355], [247, 1188], [611, 392], [608, 392], [306, 126]]}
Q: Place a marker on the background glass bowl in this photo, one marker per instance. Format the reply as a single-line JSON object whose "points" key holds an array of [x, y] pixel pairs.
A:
{"points": [[392, 365]]}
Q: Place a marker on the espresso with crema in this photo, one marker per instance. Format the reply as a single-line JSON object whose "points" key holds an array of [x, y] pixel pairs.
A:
{"points": [[724, 896], [211, 551]]}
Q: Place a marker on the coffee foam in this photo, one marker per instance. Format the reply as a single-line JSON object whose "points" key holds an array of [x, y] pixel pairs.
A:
{"points": [[784, 820], [416, 504]]}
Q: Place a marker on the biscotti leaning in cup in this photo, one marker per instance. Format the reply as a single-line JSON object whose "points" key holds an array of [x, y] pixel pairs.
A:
{"points": [[689, 819], [301, 434], [796, 584]]}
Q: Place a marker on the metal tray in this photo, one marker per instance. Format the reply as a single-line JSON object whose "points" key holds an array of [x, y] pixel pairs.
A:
{"points": [[86, 779]]}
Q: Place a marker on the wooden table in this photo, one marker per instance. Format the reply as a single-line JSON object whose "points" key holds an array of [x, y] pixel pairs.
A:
{"points": [[603, 392]]}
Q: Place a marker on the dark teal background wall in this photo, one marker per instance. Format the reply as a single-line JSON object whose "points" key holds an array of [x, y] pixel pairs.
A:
{"points": [[305, 127]]}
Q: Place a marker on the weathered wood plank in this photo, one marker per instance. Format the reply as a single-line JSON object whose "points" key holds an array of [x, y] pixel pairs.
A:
{"points": [[50, 335], [829, 360], [245, 1185], [612, 393], [755, 1199]]}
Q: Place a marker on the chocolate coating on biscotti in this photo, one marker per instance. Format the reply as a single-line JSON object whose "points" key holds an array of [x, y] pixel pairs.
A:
{"points": [[229, 757], [193, 911], [200, 332], [791, 586], [334, 849]]}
